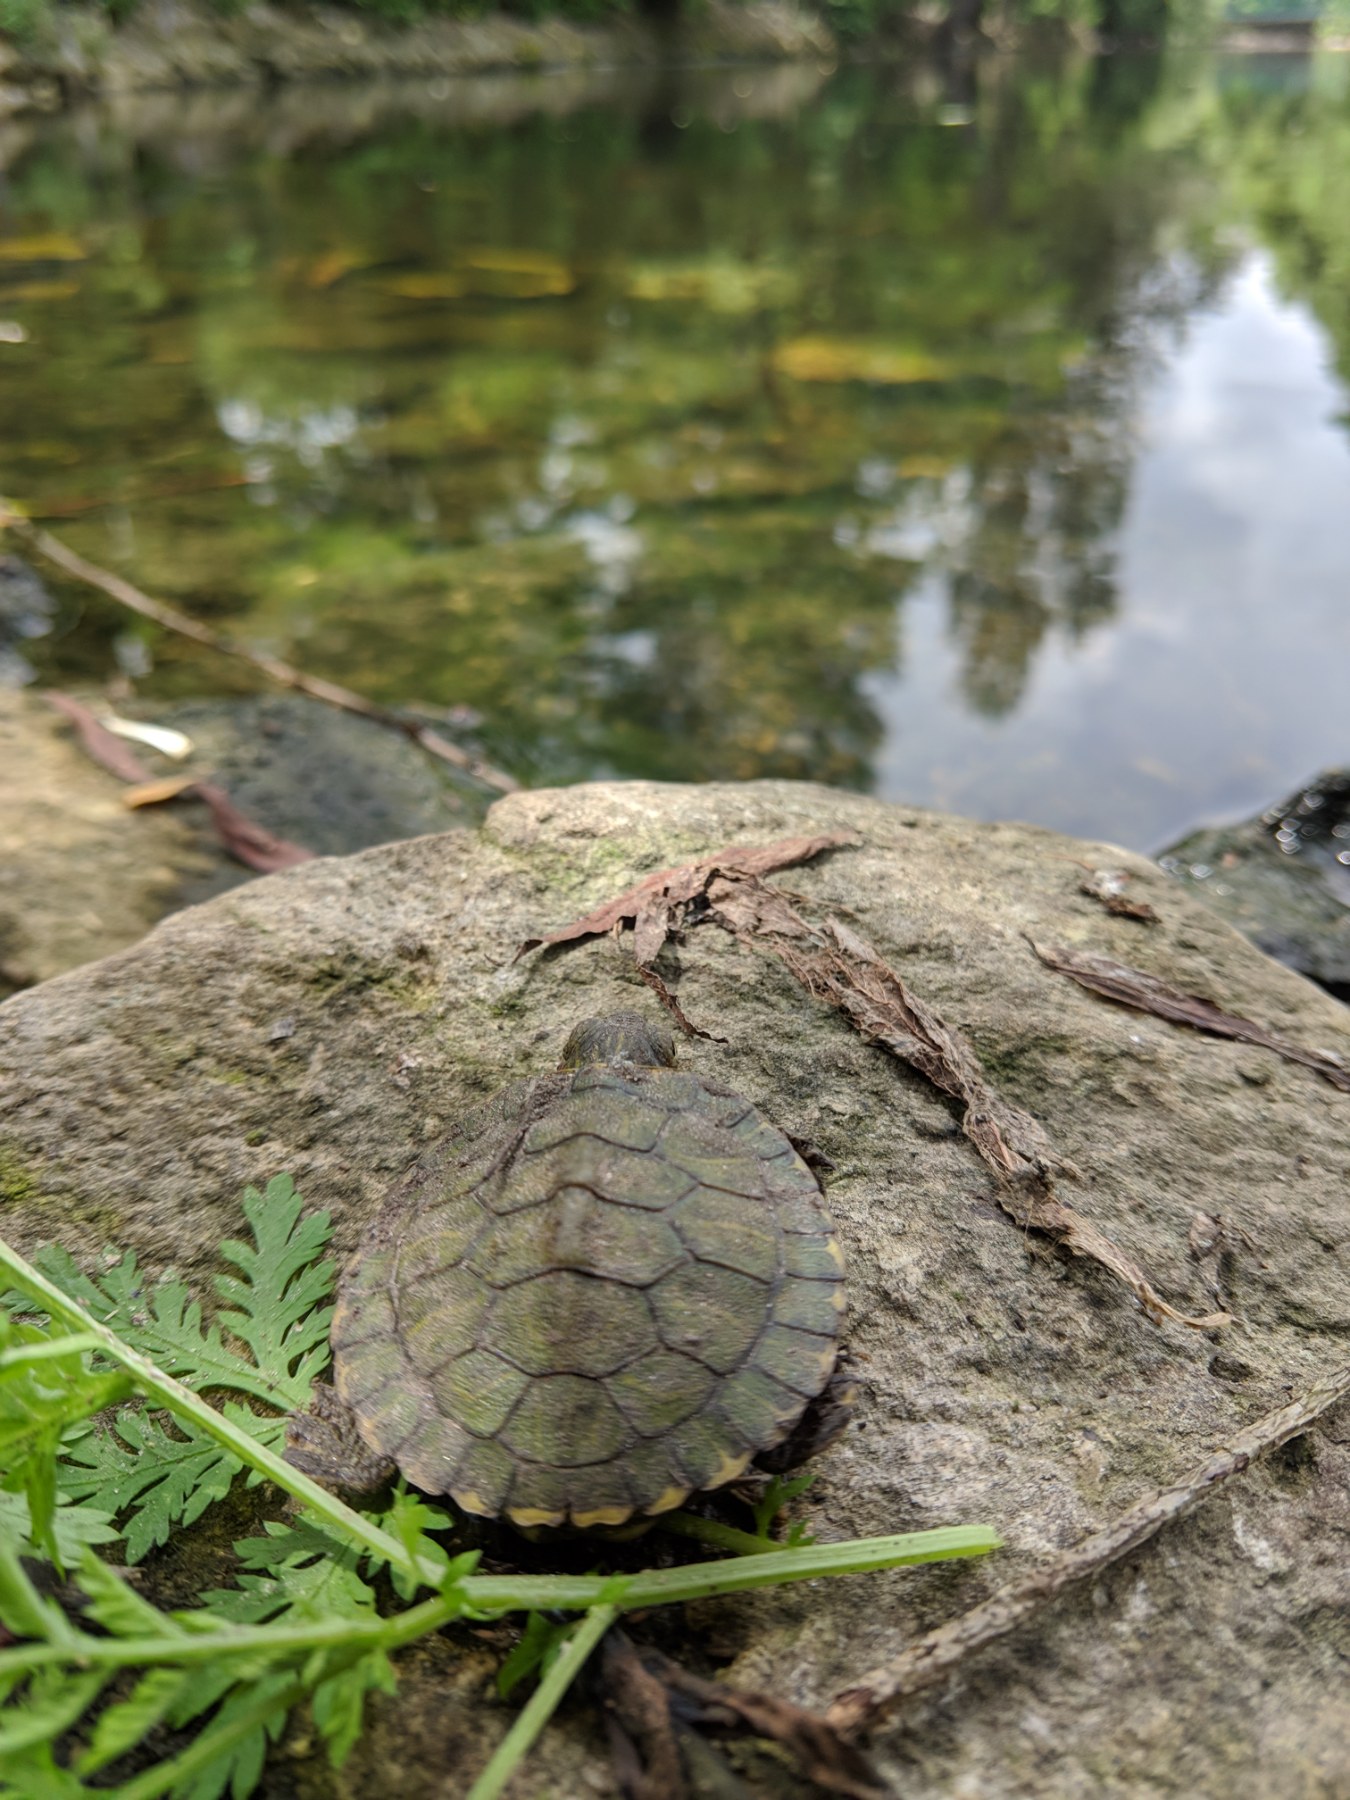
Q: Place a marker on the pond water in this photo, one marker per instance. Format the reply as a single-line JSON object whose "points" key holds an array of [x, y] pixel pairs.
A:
{"points": [[981, 443]]}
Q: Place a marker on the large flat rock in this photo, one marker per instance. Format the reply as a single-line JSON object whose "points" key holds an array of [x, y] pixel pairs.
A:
{"points": [[332, 1020]]}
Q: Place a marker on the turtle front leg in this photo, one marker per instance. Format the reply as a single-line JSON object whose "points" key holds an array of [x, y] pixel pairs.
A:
{"points": [[325, 1444]]}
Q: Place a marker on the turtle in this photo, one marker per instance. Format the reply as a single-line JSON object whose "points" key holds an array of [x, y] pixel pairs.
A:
{"points": [[610, 1287]]}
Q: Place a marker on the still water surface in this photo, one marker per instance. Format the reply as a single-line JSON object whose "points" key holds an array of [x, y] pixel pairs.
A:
{"points": [[982, 448]]}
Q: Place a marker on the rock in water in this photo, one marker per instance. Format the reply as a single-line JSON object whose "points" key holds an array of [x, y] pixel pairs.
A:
{"points": [[334, 1020], [1283, 878]]}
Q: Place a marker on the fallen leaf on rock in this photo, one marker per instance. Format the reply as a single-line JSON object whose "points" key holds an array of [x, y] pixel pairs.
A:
{"points": [[109, 752], [245, 839], [823, 1753], [1148, 993], [839, 966], [663, 902], [158, 737], [673, 1007], [642, 1742], [1108, 886], [835, 964], [155, 793]]}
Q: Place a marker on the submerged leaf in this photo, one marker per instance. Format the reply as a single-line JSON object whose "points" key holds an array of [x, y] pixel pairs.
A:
{"points": [[158, 737], [843, 359], [97, 740]]}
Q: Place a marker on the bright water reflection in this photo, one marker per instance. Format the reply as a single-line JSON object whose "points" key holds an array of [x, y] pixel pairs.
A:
{"points": [[770, 424]]}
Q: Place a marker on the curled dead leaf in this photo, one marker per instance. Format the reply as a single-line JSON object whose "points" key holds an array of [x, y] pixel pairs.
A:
{"points": [[1109, 886], [98, 742], [1150, 994], [662, 903]]}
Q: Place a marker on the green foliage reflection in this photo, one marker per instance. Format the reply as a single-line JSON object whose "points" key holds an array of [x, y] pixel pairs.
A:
{"points": [[633, 429]]}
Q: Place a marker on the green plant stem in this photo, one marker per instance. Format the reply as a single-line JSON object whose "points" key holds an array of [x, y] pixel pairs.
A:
{"points": [[702, 1581], [181, 1401], [503, 1593], [239, 1640], [718, 1536], [543, 1703], [66, 1346]]}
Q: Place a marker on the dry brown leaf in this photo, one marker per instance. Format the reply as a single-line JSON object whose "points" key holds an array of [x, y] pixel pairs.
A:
{"points": [[1147, 993], [841, 967], [643, 1747], [660, 903], [108, 751], [836, 964], [824, 1754], [245, 839], [155, 793], [1109, 886], [673, 1007]]}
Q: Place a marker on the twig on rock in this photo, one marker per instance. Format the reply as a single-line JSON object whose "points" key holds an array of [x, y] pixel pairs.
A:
{"points": [[935, 1655], [838, 965]]}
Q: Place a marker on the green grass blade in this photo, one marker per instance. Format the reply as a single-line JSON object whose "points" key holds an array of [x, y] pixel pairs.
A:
{"points": [[543, 1703]]}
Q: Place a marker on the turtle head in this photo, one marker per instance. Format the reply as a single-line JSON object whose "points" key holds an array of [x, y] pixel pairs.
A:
{"points": [[619, 1037]]}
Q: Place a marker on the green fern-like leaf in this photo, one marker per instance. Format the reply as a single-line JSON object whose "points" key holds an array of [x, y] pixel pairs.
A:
{"points": [[46, 1385], [539, 1644], [296, 1569], [338, 1704], [237, 1762], [72, 1526], [276, 1305], [277, 1299], [158, 1478], [35, 1774], [268, 1345], [121, 1727]]}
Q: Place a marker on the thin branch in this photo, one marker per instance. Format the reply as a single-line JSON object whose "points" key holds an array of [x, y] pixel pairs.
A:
{"points": [[934, 1656], [284, 673]]}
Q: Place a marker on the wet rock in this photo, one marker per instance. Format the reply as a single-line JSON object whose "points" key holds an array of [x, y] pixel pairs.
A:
{"points": [[80, 876], [26, 612], [318, 777], [1003, 1382], [1283, 878]]}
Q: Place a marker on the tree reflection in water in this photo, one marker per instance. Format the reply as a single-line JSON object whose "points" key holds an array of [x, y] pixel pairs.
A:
{"points": [[632, 422]]}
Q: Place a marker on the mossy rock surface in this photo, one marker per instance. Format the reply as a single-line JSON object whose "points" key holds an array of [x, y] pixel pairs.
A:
{"points": [[334, 1020]]}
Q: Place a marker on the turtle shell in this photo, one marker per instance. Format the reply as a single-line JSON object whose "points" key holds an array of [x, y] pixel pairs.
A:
{"points": [[610, 1288]]}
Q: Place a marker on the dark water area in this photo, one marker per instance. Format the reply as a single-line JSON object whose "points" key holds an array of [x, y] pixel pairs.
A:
{"points": [[979, 441]]}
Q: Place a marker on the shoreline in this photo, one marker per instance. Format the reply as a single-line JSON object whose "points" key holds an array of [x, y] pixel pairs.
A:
{"points": [[181, 45]]}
